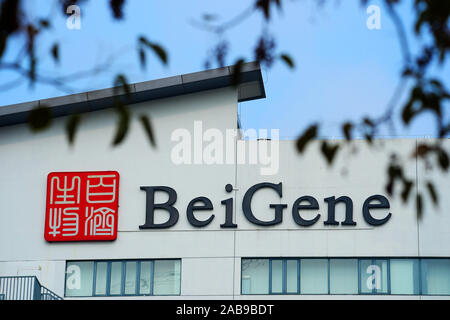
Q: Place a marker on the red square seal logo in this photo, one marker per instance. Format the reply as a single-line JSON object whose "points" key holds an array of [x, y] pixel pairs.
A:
{"points": [[82, 206]]}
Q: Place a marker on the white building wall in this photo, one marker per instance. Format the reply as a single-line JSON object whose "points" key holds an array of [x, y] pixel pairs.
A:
{"points": [[211, 256]]}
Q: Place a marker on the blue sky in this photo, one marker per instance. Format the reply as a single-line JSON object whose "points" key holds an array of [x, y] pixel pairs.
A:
{"points": [[344, 71]]}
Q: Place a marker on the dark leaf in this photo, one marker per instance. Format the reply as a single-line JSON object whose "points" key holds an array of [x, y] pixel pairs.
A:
{"points": [[121, 83], [347, 128], [433, 103], [306, 137], [65, 4], [265, 50], [220, 52], [71, 127], [424, 58], [142, 57], [390, 187], [329, 151], [32, 71], [407, 72], [123, 124], [422, 150], [236, 75], [394, 172], [437, 84], [157, 49], [160, 52], [9, 16], [3, 40], [117, 8], [264, 5], [433, 193], [419, 206], [208, 17], [207, 64], [44, 23], [31, 33], [55, 52], [419, 22], [369, 122], [408, 113], [143, 41], [288, 60], [40, 118], [148, 129], [443, 159], [407, 186], [278, 3], [444, 131]]}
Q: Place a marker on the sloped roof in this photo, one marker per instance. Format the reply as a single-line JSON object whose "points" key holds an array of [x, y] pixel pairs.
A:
{"points": [[251, 87]]}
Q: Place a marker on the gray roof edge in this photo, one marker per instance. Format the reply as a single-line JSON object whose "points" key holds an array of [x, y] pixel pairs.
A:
{"points": [[140, 92]]}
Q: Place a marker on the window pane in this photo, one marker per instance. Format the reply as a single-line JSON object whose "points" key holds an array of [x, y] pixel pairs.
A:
{"points": [[79, 279], [314, 276], [374, 276], [166, 277], [116, 278], [343, 276], [145, 278], [292, 276], [255, 276], [100, 278], [277, 276], [404, 276], [436, 276], [130, 277]]}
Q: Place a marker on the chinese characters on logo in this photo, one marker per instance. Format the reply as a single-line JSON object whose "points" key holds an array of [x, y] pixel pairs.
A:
{"points": [[82, 206]]}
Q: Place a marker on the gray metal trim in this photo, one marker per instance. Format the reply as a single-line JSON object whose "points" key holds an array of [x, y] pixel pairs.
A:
{"points": [[140, 92]]}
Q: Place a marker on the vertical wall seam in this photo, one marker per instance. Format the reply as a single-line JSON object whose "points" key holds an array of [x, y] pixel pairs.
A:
{"points": [[417, 193], [235, 201]]}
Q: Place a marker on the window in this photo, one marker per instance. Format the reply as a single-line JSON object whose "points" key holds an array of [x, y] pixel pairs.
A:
{"points": [[374, 276], [405, 276], [115, 286], [283, 275], [343, 276], [255, 276], [314, 276], [386, 276], [166, 277], [145, 278], [79, 277], [277, 276], [436, 276], [119, 278], [292, 278], [101, 278], [130, 277]]}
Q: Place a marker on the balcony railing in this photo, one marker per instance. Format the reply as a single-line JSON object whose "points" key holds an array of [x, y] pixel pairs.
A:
{"points": [[24, 288]]}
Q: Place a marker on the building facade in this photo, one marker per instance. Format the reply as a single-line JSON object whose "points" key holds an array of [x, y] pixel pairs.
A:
{"points": [[207, 214]]}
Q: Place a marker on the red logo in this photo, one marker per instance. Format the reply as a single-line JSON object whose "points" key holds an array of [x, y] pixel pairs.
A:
{"points": [[82, 206]]}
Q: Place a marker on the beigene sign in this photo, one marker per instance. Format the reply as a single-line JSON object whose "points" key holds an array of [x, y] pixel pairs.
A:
{"points": [[83, 206], [303, 203]]}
